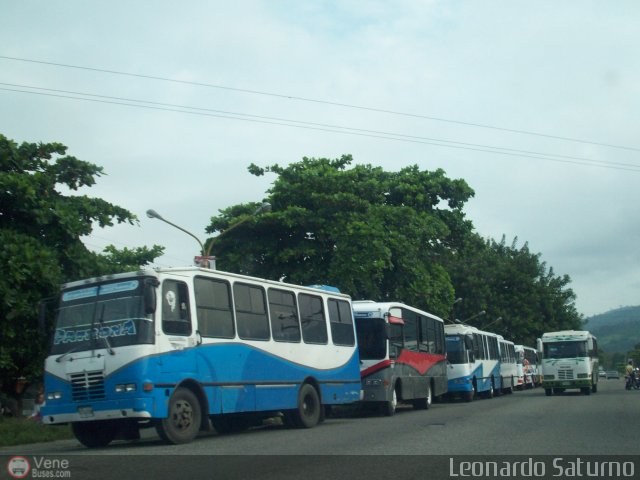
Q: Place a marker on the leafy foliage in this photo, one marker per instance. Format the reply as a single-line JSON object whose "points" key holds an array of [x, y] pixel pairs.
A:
{"points": [[40, 242], [392, 236], [372, 233]]}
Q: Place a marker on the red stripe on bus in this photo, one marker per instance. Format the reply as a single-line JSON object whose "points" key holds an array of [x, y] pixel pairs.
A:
{"points": [[375, 368], [421, 361]]}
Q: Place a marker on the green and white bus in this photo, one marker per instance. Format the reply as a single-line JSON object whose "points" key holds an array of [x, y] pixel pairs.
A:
{"points": [[569, 361]]}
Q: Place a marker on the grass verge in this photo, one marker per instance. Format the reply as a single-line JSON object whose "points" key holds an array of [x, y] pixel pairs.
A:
{"points": [[19, 431]]}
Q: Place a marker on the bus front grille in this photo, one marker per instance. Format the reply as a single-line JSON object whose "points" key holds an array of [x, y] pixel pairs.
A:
{"points": [[87, 386], [565, 374]]}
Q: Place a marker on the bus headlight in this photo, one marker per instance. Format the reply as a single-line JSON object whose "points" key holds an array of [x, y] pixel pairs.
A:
{"points": [[373, 382], [128, 387], [54, 395], [548, 377], [583, 375]]}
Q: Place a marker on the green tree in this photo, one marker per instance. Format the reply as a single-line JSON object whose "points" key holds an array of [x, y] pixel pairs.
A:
{"points": [[40, 242], [392, 236], [513, 283], [374, 234]]}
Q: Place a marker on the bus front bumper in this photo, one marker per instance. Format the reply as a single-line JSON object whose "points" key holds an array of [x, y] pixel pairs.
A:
{"points": [[55, 413], [581, 383]]}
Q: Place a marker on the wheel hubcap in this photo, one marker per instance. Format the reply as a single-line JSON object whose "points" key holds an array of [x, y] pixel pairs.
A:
{"points": [[182, 415]]}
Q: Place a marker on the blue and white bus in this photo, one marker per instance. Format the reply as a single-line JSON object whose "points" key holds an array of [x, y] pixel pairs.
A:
{"points": [[473, 358], [402, 355], [176, 347], [508, 365]]}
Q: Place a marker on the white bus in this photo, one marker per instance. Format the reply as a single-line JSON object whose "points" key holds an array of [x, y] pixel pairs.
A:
{"points": [[175, 347], [528, 367], [474, 365], [402, 354], [569, 360], [508, 365]]}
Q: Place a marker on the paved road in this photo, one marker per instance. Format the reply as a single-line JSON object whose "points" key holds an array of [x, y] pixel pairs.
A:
{"points": [[525, 423]]}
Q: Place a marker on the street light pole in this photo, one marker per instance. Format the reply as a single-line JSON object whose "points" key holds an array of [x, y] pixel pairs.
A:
{"points": [[491, 323], [153, 214], [479, 314]]}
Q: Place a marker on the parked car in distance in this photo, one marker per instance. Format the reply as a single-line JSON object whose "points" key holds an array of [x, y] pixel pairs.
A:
{"points": [[612, 374], [602, 373]]}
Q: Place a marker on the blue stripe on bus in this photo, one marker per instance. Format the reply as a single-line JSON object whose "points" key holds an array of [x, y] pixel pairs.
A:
{"points": [[234, 377]]}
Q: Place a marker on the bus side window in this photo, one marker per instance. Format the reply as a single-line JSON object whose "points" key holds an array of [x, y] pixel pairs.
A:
{"points": [[314, 325], [396, 342], [341, 318], [285, 325], [176, 319], [213, 308], [251, 312]]}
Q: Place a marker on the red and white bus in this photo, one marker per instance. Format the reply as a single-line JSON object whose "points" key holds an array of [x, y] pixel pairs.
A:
{"points": [[402, 354]]}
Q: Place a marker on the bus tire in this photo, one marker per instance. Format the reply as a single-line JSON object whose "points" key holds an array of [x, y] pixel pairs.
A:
{"points": [[183, 423], [547, 392], [307, 415], [389, 407], [470, 395], [586, 390], [594, 388], [491, 392], [95, 434], [424, 403]]}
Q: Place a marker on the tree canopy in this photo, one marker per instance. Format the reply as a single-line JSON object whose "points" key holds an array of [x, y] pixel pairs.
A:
{"points": [[40, 242], [385, 236]]}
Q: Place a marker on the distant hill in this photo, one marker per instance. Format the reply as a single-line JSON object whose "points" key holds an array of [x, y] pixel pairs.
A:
{"points": [[617, 330]]}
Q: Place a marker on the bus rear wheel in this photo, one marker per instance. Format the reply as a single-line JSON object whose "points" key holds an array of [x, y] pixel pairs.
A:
{"points": [[95, 434], [183, 423], [307, 415], [424, 403]]}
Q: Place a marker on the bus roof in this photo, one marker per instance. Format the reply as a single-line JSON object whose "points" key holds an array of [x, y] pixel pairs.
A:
{"points": [[462, 329], [566, 335], [195, 271], [384, 307]]}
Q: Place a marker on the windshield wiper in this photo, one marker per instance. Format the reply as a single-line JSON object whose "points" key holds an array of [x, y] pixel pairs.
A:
{"points": [[74, 349], [106, 339]]}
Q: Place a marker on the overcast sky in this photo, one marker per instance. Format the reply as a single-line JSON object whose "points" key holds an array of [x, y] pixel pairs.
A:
{"points": [[561, 69]]}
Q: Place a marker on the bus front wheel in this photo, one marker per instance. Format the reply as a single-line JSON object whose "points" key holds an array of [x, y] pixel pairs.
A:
{"points": [[469, 396], [389, 407], [183, 423]]}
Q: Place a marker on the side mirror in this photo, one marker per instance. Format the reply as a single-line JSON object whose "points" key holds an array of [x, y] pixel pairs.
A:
{"points": [[42, 313]]}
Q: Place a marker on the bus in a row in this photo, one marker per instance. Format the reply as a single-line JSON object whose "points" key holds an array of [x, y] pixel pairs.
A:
{"points": [[402, 355], [569, 361], [479, 363], [176, 347]]}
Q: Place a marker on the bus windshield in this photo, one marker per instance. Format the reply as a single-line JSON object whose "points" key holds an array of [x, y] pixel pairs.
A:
{"points": [[565, 349], [372, 339], [455, 349], [103, 315]]}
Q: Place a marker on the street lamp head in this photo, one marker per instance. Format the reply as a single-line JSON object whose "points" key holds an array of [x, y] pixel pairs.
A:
{"points": [[153, 214], [264, 208]]}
